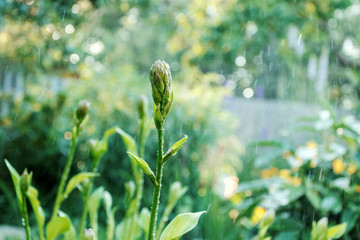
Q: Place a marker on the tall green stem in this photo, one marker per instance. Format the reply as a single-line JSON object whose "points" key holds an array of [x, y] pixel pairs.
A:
{"points": [[26, 218], [85, 210], [157, 190], [65, 174]]}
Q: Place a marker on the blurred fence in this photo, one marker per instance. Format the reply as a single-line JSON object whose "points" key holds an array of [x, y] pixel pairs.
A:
{"points": [[13, 85], [262, 119]]}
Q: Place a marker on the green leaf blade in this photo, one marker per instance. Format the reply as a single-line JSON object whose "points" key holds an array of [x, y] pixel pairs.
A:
{"points": [[58, 225], [180, 225], [336, 231], [144, 166], [32, 194], [174, 149], [76, 180]]}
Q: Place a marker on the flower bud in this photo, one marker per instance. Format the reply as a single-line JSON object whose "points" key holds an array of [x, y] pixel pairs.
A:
{"points": [[82, 111], [161, 83], [25, 181], [89, 234], [142, 106]]}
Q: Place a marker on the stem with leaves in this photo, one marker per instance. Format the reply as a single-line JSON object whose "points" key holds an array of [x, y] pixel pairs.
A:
{"points": [[157, 190], [79, 117], [25, 220]]}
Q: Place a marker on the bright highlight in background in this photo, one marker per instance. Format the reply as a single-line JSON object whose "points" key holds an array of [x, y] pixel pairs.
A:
{"points": [[69, 29], [240, 61], [248, 92], [74, 58]]}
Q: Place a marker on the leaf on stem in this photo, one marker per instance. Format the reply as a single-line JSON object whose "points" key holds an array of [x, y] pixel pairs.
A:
{"points": [[129, 142], [174, 149], [144, 166], [32, 194], [16, 180], [110, 214], [336, 231], [76, 180], [93, 207], [181, 224], [58, 225]]}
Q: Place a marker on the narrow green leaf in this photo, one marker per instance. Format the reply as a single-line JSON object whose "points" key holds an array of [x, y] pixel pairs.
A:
{"points": [[313, 198], [71, 234], [129, 142], [76, 180], [174, 149], [181, 224], [144, 166], [93, 207], [16, 180], [58, 225], [32, 194], [110, 222], [145, 220], [336, 231], [122, 228]]}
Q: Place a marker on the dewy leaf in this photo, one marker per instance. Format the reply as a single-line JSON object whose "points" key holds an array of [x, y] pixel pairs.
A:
{"points": [[32, 194], [58, 225], [181, 224], [336, 231], [173, 150], [16, 180], [144, 166], [76, 180], [129, 142]]}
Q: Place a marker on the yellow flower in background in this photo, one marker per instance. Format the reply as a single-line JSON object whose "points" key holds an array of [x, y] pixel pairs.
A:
{"points": [[268, 173], [313, 164], [296, 181], [357, 189], [338, 166], [257, 214], [312, 145], [287, 154], [351, 169], [284, 173]]}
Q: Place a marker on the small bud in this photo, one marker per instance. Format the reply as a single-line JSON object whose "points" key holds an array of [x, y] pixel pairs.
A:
{"points": [[161, 84], [82, 111], [89, 234], [142, 106], [25, 181]]}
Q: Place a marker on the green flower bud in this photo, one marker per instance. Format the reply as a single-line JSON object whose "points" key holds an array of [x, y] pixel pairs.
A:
{"points": [[161, 83], [25, 181], [82, 111], [89, 234], [142, 106]]}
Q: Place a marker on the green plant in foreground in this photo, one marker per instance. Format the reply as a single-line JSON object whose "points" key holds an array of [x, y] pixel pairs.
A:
{"points": [[162, 93], [59, 222], [134, 223]]}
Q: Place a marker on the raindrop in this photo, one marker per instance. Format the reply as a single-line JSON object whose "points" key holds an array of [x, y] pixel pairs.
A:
{"points": [[63, 16], [42, 93], [299, 39], [6, 68], [23, 221], [320, 174], [39, 56], [16, 115]]}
